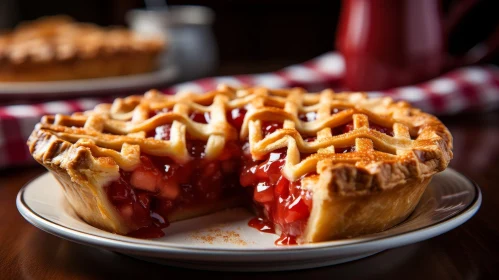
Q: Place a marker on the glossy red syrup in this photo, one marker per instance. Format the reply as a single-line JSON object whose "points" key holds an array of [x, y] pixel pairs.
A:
{"points": [[382, 129], [161, 132], [147, 232], [269, 127], [200, 117], [262, 225], [342, 129], [285, 239], [236, 117]]}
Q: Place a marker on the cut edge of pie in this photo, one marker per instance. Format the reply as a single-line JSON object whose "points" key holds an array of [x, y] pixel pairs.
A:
{"points": [[58, 48], [386, 154]]}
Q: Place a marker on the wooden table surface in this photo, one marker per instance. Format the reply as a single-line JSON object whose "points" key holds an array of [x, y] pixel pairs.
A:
{"points": [[470, 251]]}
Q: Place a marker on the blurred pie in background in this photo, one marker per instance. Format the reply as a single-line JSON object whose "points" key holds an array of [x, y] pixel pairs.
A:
{"points": [[59, 48]]}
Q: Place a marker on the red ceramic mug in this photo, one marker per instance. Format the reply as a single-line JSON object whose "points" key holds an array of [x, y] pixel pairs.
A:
{"points": [[390, 43]]}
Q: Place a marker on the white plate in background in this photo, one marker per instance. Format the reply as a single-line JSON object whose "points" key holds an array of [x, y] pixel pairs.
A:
{"points": [[98, 86]]}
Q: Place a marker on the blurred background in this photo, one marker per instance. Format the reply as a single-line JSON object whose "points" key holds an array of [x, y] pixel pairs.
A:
{"points": [[250, 32], [255, 36]]}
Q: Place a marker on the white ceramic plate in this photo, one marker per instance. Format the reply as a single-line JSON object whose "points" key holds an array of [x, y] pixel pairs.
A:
{"points": [[161, 77], [223, 241]]}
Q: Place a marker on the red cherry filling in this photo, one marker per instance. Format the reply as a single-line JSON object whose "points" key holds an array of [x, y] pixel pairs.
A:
{"points": [[161, 132], [261, 224], [200, 117], [382, 129], [268, 127], [131, 203], [342, 129], [285, 204], [146, 196], [196, 148], [236, 117], [304, 155], [286, 240]]}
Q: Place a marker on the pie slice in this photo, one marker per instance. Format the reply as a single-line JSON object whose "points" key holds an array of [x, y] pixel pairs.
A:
{"points": [[58, 48], [314, 166]]}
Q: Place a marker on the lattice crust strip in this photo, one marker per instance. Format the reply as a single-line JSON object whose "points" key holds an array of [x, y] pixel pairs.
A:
{"points": [[119, 130]]}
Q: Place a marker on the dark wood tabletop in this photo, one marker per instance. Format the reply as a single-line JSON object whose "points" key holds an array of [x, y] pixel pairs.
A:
{"points": [[470, 251]]}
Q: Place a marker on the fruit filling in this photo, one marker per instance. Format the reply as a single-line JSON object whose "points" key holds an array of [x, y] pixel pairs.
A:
{"points": [[382, 129], [148, 195], [236, 117], [269, 127], [200, 117], [281, 203], [342, 129]]}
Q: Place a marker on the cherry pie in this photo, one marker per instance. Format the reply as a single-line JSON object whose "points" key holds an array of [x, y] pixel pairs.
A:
{"points": [[58, 48], [314, 166]]}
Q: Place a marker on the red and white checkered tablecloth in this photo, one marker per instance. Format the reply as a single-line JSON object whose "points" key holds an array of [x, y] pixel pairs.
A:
{"points": [[473, 88]]}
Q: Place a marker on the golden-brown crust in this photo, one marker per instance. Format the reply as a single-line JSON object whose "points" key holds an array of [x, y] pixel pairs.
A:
{"points": [[337, 215], [384, 176], [82, 177], [46, 49]]}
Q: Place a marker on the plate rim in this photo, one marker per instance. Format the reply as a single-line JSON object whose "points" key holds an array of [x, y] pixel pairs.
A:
{"points": [[132, 245], [93, 86]]}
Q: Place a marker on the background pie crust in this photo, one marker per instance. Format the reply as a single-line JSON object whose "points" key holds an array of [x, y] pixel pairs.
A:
{"points": [[58, 48]]}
